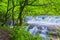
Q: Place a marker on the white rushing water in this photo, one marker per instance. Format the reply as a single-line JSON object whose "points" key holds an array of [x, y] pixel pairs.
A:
{"points": [[33, 30], [43, 32], [45, 21]]}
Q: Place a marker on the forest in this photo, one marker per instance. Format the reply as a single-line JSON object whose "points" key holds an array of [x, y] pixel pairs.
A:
{"points": [[13, 13]]}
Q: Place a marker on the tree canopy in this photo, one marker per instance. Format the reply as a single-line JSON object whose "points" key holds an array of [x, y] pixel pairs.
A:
{"points": [[20, 8]]}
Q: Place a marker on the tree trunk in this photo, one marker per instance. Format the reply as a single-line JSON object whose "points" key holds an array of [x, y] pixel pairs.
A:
{"points": [[6, 15], [13, 12], [21, 10], [20, 15]]}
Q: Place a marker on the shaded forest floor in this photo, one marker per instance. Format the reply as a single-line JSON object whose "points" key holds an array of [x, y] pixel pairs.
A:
{"points": [[4, 35]]}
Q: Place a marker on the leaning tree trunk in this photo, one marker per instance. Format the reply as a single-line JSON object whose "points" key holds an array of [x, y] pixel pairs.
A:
{"points": [[21, 10], [13, 12], [20, 14], [6, 15]]}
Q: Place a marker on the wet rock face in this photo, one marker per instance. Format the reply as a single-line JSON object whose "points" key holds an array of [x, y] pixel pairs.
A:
{"points": [[53, 28], [4, 35]]}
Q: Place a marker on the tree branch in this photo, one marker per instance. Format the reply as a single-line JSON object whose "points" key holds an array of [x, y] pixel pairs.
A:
{"points": [[12, 7], [4, 2], [32, 2], [37, 5]]}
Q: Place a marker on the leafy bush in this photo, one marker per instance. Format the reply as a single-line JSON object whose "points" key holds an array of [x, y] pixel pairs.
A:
{"points": [[18, 34], [49, 34], [58, 31]]}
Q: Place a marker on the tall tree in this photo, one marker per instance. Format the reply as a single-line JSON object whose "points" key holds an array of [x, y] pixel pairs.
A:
{"points": [[13, 12], [6, 15], [22, 5]]}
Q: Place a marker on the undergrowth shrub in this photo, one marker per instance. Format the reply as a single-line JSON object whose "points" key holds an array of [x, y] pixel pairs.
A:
{"points": [[21, 34]]}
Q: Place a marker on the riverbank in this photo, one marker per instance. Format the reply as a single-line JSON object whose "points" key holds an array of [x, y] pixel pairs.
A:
{"points": [[54, 38]]}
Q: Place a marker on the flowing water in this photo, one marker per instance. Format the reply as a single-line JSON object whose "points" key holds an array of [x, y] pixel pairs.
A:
{"points": [[33, 30], [11, 25], [43, 22]]}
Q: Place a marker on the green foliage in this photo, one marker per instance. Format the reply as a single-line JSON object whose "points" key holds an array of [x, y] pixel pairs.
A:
{"points": [[36, 8], [18, 34], [58, 30], [51, 7], [49, 34], [33, 8]]}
